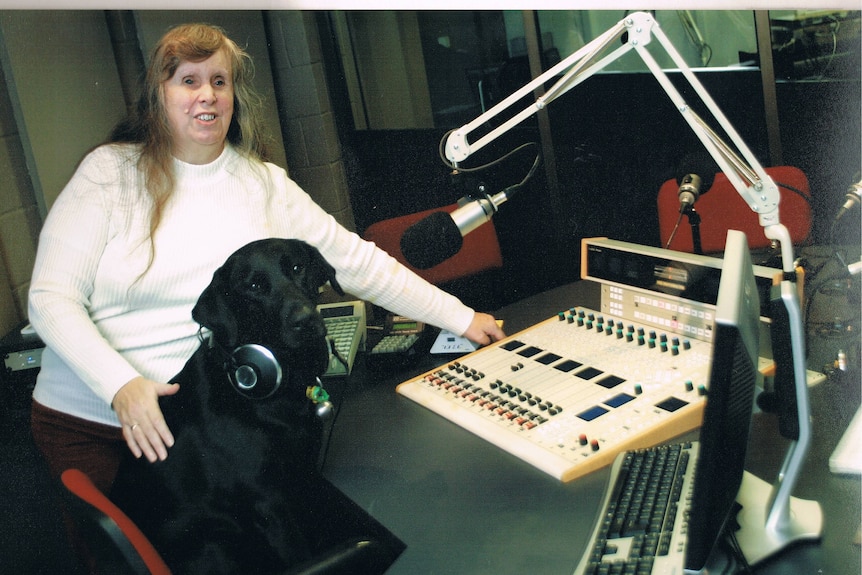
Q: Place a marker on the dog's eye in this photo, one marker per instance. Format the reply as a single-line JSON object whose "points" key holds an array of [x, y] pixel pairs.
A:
{"points": [[292, 267]]}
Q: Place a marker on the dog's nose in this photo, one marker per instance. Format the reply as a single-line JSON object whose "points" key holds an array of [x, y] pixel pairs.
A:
{"points": [[302, 318]]}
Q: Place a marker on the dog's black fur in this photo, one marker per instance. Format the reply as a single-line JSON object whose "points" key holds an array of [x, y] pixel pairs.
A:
{"points": [[232, 496]]}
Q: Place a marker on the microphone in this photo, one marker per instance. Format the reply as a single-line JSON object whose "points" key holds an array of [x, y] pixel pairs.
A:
{"points": [[852, 199], [689, 191], [440, 236], [699, 173]]}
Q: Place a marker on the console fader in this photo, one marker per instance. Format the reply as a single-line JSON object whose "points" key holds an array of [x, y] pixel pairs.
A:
{"points": [[567, 394]]}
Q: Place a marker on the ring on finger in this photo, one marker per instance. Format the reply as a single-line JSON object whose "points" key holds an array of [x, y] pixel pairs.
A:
{"points": [[134, 425]]}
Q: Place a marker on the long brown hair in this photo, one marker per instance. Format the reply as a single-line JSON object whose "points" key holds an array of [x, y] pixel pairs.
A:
{"points": [[147, 124]]}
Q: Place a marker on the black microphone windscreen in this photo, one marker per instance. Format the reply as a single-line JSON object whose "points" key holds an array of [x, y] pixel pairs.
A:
{"points": [[431, 240]]}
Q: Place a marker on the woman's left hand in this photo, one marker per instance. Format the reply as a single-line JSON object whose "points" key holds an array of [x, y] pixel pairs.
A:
{"points": [[144, 428], [484, 329]]}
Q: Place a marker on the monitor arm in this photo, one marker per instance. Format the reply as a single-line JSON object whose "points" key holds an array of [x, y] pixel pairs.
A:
{"points": [[777, 523]]}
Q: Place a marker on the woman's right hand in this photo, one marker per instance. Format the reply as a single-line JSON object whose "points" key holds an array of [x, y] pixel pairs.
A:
{"points": [[144, 428]]}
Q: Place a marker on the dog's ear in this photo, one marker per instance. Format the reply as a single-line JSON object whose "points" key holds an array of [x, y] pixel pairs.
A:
{"points": [[322, 272], [213, 311]]}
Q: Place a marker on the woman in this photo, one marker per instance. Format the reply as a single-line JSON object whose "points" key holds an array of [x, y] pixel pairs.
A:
{"points": [[136, 235]]}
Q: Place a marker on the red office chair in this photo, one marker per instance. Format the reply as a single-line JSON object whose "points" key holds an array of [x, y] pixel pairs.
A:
{"points": [[480, 251], [723, 208], [118, 547], [116, 544]]}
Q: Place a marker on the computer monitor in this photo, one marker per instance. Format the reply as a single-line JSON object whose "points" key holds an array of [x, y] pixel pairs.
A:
{"points": [[727, 415]]}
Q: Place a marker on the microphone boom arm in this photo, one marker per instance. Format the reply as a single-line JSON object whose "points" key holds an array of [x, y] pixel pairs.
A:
{"points": [[743, 170]]}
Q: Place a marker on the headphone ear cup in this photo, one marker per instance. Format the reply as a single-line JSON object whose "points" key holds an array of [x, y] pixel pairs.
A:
{"points": [[254, 371]]}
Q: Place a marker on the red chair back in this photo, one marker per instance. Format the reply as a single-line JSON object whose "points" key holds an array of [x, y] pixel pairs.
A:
{"points": [[722, 209], [116, 543]]}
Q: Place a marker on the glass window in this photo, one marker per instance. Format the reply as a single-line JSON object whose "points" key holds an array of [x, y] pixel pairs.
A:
{"points": [[815, 45], [424, 69], [704, 38]]}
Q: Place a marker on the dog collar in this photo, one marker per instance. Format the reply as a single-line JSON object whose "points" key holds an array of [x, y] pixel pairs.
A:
{"points": [[320, 398]]}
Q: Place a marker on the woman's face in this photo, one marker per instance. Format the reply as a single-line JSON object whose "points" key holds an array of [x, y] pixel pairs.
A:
{"points": [[199, 105]]}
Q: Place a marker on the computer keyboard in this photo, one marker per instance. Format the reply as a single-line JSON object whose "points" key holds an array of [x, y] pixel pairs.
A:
{"points": [[642, 523]]}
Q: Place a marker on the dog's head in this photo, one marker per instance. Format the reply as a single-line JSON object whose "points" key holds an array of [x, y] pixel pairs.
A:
{"points": [[265, 294]]}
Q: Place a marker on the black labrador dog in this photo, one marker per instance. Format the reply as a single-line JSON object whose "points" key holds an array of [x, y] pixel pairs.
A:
{"points": [[236, 493]]}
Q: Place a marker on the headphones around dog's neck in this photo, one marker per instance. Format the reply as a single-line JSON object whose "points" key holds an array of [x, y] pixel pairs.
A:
{"points": [[255, 373]]}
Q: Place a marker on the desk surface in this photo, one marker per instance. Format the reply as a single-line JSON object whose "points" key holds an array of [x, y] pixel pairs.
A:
{"points": [[464, 506]]}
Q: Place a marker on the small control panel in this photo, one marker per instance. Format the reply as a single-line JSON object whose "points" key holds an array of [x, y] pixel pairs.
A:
{"points": [[400, 341], [395, 343]]}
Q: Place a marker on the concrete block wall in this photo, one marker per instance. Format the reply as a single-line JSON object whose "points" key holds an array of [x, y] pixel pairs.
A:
{"points": [[311, 141], [19, 220]]}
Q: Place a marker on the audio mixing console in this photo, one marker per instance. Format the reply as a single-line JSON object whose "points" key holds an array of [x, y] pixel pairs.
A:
{"points": [[569, 393]]}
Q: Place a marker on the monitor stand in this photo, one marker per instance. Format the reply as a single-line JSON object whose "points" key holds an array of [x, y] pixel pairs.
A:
{"points": [[759, 540], [770, 518]]}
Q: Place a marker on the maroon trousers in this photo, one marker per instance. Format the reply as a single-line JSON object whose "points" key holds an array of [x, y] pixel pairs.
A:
{"points": [[70, 442]]}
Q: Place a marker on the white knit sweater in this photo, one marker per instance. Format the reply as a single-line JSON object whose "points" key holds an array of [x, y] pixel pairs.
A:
{"points": [[103, 324]]}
